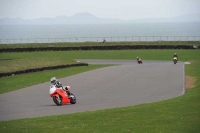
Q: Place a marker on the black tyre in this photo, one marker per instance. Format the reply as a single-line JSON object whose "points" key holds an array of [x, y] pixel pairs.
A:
{"points": [[72, 99], [175, 62], [57, 100]]}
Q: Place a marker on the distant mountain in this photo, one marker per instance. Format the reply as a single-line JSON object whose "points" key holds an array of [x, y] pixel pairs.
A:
{"points": [[80, 18], [187, 18], [87, 18], [5, 21]]}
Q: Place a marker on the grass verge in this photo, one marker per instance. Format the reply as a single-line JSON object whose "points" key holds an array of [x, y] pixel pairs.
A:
{"points": [[20, 61], [16, 82]]}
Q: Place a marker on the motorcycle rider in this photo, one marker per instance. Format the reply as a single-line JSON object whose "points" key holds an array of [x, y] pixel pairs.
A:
{"points": [[58, 84], [175, 55], [138, 58]]}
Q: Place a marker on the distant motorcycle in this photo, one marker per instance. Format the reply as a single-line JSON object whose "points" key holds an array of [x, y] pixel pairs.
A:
{"points": [[139, 61], [60, 96], [175, 60]]}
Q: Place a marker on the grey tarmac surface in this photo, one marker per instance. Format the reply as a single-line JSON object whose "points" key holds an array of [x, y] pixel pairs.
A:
{"points": [[125, 84]]}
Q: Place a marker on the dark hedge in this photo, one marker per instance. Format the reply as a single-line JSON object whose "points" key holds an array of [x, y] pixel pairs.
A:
{"points": [[116, 47]]}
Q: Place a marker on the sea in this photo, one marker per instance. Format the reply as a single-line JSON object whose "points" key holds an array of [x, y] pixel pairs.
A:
{"points": [[97, 32]]}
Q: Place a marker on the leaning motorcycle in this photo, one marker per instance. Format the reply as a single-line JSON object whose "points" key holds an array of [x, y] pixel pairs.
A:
{"points": [[175, 60], [60, 96], [139, 61]]}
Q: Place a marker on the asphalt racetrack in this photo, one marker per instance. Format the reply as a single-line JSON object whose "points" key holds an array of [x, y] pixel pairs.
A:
{"points": [[124, 84]]}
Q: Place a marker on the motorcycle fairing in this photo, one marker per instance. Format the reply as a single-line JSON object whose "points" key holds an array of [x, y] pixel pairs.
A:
{"points": [[60, 92], [175, 58]]}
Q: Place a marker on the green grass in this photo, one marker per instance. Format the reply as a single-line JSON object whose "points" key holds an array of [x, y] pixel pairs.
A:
{"points": [[177, 115], [17, 82], [75, 44], [21, 61]]}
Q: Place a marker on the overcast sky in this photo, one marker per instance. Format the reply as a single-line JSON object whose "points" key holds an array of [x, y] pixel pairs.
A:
{"points": [[120, 9]]}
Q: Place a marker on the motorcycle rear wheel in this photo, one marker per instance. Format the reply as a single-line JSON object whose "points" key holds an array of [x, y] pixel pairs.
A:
{"points": [[57, 100]]}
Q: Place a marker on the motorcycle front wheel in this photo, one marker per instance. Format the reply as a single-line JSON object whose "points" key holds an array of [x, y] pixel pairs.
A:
{"points": [[175, 62], [72, 99], [57, 100]]}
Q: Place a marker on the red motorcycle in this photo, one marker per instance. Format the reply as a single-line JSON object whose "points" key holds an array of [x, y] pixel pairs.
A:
{"points": [[139, 61], [60, 96]]}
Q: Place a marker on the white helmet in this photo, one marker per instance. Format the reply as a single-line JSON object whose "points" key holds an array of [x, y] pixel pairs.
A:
{"points": [[53, 80]]}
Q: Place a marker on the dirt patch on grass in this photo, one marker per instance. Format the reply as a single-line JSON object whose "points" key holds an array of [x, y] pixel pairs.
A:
{"points": [[189, 81]]}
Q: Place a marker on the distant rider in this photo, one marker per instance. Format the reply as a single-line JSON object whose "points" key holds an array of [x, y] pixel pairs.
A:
{"points": [[175, 55], [58, 84], [138, 58]]}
